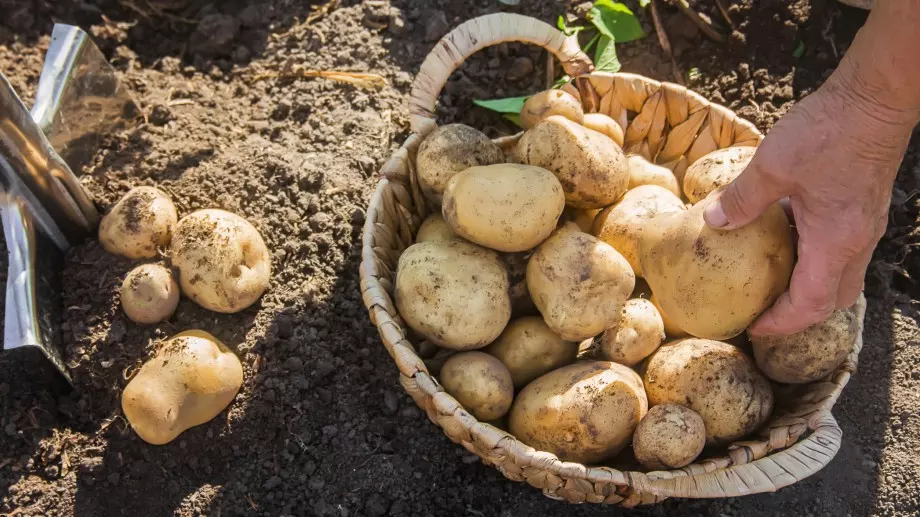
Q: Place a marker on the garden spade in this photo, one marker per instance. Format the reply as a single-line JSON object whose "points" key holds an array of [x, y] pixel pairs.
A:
{"points": [[45, 209]]}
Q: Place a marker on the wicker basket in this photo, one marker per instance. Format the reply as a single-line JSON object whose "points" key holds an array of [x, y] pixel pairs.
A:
{"points": [[674, 127]]}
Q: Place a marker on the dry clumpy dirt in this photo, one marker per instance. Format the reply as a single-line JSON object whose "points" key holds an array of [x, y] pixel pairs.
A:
{"points": [[321, 426]]}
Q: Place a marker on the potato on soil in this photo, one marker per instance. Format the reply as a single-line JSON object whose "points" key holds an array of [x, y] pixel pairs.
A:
{"points": [[504, 207], [434, 228], [149, 294], [644, 172], [480, 383], [591, 167], [529, 348], [448, 150], [811, 354], [604, 125], [638, 334], [714, 283], [622, 225], [584, 412], [716, 380], [548, 103], [454, 293], [670, 436], [139, 224], [715, 170], [578, 283], [189, 381], [223, 262]]}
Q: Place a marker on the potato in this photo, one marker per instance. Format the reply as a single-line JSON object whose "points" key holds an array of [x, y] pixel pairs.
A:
{"points": [[591, 167], [149, 294], [644, 172], [622, 225], [548, 103], [189, 381], [811, 354], [454, 293], [584, 218], [714, 283], [715, 170], [670, 328], [714, 379], [584, 412], [223, 262], [670, 436], [139, 224], [578, 283], [505, 207], [529, 348], [480, 383], [434, 228], [606, 125], [448, 150], [639, 333]]}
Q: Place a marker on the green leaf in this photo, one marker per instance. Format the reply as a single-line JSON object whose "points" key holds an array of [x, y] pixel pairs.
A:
{"points": [[616, 21], [605, 58], [568, 31], [508, 105], [561, 81], [799, 50], [644, 3], [515, 118]]}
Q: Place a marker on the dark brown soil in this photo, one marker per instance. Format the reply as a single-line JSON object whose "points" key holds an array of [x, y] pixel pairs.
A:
{"points": [[321, 425]]}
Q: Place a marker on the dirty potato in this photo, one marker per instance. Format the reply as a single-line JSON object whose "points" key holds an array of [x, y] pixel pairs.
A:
{"points": [[434, 228], [715, 170], [149, 294], [638, 334], [529, 348], [670, 436], [605, 125], [139, 224], [644, 172], [448, 150], [480, 383], [548, 103]]}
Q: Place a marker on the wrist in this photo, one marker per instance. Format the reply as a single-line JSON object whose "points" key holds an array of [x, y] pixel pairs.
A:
{"points": [[875, 96]]}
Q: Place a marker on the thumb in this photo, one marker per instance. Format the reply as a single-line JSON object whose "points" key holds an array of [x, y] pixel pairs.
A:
{"points": [[743, 200]]}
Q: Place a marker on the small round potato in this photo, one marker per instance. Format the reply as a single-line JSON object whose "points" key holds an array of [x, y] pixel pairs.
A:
{"points": [[714, 379], [454, 293], [622, 225], [529, 348], [639, 333], [139, 224], [605, 125], [644, 172], [434, 228], [223, 262], [548, 103], [584, 412], [189, 381], [505, 207], [579, 283], [448, 150], [715, 170], [149, 294], [480, 383], [670, 436]]}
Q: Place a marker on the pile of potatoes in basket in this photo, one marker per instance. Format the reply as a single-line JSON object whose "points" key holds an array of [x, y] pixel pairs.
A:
{"points": [[582, 303], [223, 265]]}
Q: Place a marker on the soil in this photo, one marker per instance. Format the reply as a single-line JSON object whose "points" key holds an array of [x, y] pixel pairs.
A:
{"points": [[321, 426]]}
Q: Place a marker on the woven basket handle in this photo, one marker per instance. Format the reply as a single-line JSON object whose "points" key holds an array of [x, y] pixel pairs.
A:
{"points": [[474, 35]]}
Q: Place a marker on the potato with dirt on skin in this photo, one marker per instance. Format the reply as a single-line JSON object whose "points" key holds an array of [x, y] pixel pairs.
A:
{"points": [[585, 412], [139, 224], [622, 225], [638, 334], [149, 294], [504, 207], [578, 283], [811, 354], [529, 349], [715, 379], [223, 262], [454, 293], [605, 125], [671, 329], [548, 103], [670, 436], [480, 383], [715, 170], [644, 172], [189, 381], [590, 166], [448, 150], [434, 228]]}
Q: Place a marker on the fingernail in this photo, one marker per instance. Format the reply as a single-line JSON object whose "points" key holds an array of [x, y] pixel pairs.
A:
{"points": [[715, 216]]}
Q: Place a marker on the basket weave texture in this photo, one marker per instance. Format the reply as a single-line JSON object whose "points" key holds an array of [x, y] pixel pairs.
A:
{"points": [[667, 124]]}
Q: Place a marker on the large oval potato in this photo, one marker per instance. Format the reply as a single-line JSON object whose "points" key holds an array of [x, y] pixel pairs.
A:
{"points": [[223, 262], [644, 172], [448, 150], [670, 436], [622, 225], [189, 381], [714, 283], [454, 293], [578, 283], [591, 167], [584, 412], [714, 379], [670, 328], [504, 207], [434, 228], [139, 224], [638, 334], [548, 103], [715, 170], [479, 382], [529, 348]]}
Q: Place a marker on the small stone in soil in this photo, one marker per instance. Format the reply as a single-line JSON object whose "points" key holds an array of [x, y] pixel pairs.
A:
{"points": [[376, 506], [437, 26], [295, 364], [521, 68]]}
